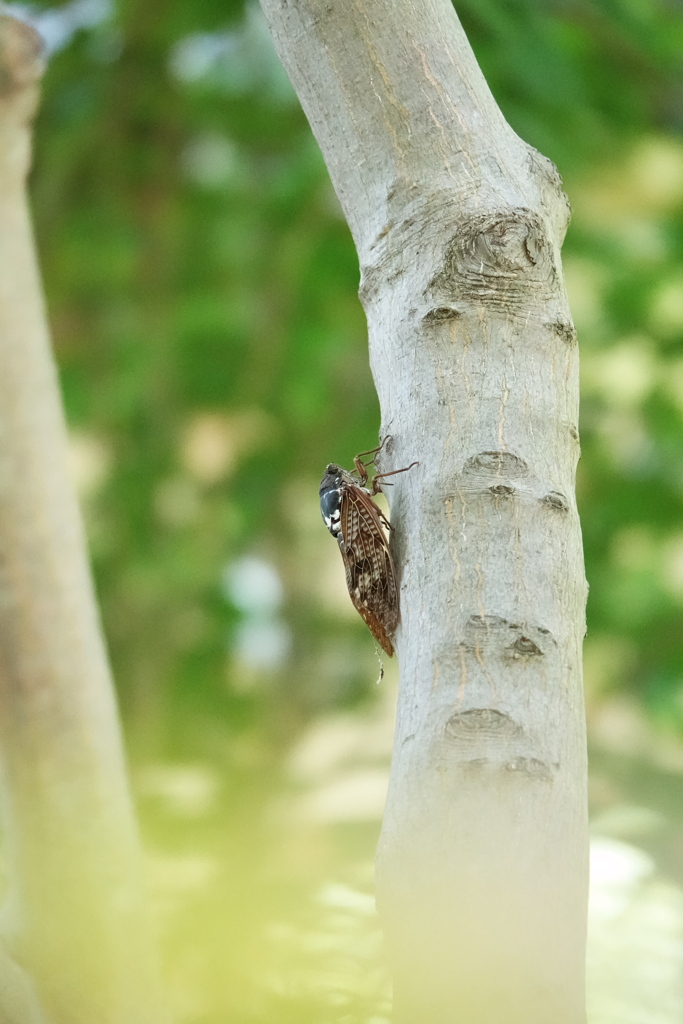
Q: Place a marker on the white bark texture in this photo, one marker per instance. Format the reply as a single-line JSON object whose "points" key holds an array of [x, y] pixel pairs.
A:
{"points": [[74, 915], [482, 864]]}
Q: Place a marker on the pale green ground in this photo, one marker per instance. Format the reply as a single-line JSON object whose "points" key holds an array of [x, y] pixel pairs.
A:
{"points": [[317, 956]]}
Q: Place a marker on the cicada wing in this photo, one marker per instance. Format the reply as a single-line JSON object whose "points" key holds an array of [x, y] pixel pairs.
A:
{"points": [[370, 575]]}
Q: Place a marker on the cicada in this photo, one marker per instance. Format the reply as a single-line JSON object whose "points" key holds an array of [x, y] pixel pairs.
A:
{"points": [[360, 527]]}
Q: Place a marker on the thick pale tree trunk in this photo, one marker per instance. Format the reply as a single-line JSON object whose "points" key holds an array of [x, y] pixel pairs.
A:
{"points": [[482, 865], [74, 915]]}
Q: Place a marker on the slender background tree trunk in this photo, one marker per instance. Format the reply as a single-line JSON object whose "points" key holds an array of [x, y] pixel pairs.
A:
{"points": [[482, 865], [75, 915]]}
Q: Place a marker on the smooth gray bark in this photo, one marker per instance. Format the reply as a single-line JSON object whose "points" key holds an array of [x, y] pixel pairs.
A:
{"points": [[482, 865], [75, 915]]}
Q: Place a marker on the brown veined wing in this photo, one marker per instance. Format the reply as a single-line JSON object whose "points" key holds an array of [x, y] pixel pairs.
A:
{"points": [[370, 575]]}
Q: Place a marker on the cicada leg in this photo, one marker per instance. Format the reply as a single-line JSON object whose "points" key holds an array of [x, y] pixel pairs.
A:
{"points": [[382, 476]]}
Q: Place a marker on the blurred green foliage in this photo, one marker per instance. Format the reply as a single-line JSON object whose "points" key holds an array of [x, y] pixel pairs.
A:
{"points": [[201, 285]]}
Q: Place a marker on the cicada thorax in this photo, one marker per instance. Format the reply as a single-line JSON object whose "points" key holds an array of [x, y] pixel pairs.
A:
{"points": [[360, 527]]}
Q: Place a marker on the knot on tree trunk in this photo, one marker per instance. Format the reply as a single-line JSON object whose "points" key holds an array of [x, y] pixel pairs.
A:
{"points": [[504, 260], [486, 739], [497, 635], [503, 476]]}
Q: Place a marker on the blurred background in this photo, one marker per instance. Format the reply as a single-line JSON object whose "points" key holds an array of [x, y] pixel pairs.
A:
{"points": [[201, 285]]}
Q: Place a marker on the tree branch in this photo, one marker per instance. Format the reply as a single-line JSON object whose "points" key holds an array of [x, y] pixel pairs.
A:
{"points": [[482, 866], [75, 914]]}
